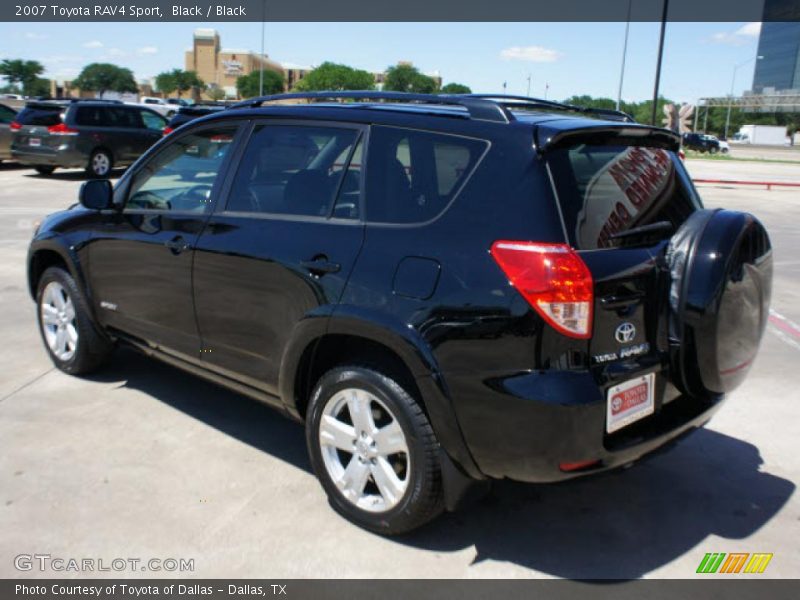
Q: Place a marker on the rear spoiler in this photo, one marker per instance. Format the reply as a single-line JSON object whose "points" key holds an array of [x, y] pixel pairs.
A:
{"points": [[553, 134]]}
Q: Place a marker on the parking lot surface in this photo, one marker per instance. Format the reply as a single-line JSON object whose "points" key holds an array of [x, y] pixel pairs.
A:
{"points": [[144, 461]]}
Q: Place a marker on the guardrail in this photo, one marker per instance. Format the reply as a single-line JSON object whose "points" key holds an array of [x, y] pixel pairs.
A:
{"points": [[768, 184]]}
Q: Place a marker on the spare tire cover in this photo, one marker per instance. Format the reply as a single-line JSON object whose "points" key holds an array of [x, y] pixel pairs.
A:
{"points": [[720, 265]]}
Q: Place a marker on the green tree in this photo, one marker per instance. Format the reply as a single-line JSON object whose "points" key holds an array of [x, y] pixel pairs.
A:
{"points": [[39, 87], [166, 83], [456, 88], [407, 78], [247, 85], [105, 77], [335, 77], [215, 92], [24, 72], [186, 80]]}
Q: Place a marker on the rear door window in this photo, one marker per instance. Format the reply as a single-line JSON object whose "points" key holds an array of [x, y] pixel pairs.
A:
{"points": [[608, 190], [412, 175], [294, 170], [40, 115]]}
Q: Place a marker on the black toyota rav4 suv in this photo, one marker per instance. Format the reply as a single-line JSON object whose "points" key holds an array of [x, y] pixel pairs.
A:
{"points": [[445, 289]]}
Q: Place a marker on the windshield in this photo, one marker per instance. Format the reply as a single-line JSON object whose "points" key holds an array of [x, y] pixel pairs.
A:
{"points": [[607, 190]]}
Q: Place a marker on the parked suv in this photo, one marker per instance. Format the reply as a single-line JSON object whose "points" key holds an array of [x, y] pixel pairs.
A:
{"points": [[95, 135], [446, 290], [7, 115], [701, 143]]}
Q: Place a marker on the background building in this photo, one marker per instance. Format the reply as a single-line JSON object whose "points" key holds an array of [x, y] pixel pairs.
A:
{"points": [[779, 44], [222, 66]]}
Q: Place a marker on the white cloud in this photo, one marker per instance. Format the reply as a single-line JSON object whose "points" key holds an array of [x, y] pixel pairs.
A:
{"points": [[116, 53], [750, 29], [538, 54], [36, 36], [146, 50], [740, 37], [93, 44]]}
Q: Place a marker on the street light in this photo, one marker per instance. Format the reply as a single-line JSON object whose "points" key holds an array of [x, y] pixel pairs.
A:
{"points": [[733, 82], [624, 53]]}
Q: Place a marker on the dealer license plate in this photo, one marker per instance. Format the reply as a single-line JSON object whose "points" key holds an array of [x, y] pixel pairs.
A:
{"points": [[35, 141], [630, 401]]}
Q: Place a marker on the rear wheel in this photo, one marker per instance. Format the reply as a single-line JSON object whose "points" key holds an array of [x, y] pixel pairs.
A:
{"points": [[100, 164], [44, 169], [374, 451], [70, 337]]}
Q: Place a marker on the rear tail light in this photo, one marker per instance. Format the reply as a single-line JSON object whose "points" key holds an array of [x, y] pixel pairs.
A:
{"points": [[581, 465], [61, 129], [15, 126], [553, 279], [167, 130]]}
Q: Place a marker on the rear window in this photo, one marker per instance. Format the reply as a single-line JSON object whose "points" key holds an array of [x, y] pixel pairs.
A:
{"points": [[40, 115], [413, 175], [607, 190]]}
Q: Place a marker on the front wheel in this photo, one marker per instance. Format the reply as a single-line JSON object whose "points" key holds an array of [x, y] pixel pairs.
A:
{"points": [[70, 337], [374, 451]]}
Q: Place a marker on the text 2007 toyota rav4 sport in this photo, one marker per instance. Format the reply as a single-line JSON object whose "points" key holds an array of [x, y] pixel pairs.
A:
{"points": [[445, 289]]}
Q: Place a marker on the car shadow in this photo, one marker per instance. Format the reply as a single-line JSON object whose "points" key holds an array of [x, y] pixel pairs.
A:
{"points": [[619, 525], [9, 165]]}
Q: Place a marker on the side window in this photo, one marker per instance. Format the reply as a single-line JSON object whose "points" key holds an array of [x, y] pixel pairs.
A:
{"points": [[181, 176], [291, 170], [6, 115], [348, 200], [413, 175], [128, 117], [153, 121], [89, 116]]}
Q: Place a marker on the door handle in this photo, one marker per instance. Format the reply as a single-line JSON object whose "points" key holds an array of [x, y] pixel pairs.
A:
{"points": [[320, 265], [177, 245]]}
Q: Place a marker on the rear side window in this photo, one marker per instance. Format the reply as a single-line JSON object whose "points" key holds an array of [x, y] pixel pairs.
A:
{"points": [[606, 190], [44, 116], [413, 175], [6, 114], [89, 116], [293, 170]]}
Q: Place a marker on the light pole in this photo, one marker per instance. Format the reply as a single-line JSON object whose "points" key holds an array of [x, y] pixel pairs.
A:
{"points": [[733, 82], [529, 85], [261, 61], [624, 53], [658, 60]]}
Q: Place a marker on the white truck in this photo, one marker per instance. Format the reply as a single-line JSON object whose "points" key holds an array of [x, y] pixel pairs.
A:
{"points": [[766, 135], [159, 105]]}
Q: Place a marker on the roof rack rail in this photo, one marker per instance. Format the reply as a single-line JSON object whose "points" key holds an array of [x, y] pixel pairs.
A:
{"points": [[73, 100], [527, 102], [478, 108]]}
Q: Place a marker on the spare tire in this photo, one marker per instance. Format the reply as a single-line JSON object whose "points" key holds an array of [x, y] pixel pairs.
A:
{"points": [[720, 265]]}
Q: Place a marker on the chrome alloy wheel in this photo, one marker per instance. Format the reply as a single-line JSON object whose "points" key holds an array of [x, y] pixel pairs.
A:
{"points": [[58, 321], [364, 450], [101, 164]]}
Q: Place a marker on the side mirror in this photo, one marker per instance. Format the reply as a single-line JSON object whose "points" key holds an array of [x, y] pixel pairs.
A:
{"points": [[96, 194]]}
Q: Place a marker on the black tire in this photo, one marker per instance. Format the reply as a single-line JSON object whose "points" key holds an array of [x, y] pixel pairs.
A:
{"points": [[713, 149], [44, 169], [101, 163], [93, 347], [423, 499]]}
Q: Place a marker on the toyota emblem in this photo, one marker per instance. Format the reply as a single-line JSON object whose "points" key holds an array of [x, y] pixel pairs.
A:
{"points": [[625, 332]]}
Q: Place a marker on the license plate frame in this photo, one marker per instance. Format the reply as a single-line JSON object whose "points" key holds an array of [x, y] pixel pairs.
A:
{"points": [[630, 401], [35, 142]]}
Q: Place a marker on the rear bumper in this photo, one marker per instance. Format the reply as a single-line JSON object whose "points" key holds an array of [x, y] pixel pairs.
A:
{"points": [[523, 427], [66, 157]]}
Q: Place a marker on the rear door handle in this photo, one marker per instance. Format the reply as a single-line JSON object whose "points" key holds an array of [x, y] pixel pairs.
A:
{"points": [[320, 265], [177, 245]]}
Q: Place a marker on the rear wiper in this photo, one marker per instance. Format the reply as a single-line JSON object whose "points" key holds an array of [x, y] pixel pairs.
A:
{"points": [[643, 230]]}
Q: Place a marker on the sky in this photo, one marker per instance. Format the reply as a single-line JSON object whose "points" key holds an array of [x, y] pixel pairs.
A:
{"points": [[562, 59]]}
